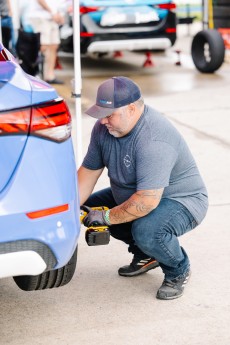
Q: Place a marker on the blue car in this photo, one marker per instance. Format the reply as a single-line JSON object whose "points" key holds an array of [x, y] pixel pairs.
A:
{"points": [[39, 206], [117, 25]]}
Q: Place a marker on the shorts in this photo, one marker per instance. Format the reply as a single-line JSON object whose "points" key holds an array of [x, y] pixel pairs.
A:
{"points": [[48, 29]]}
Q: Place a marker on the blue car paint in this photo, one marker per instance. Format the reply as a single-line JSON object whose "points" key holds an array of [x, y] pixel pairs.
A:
{"points": [[57, 231], [17, 86], [16, 90], [41, 91], [45, 177], [162, 13], [41, 173], [11, 148], [96, 16]]}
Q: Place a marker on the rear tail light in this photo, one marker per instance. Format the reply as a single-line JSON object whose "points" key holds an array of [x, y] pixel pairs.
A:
{"points": [[169, 6], [170, 30], [49, 120], [86, 9], [4, 55], [15, 122], [87, 34]]}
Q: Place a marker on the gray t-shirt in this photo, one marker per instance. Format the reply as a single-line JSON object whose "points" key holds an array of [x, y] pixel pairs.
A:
{"points": [[153, 155]]}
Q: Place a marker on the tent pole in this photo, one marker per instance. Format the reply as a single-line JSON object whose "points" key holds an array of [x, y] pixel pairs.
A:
{"points": [[77, 79]]}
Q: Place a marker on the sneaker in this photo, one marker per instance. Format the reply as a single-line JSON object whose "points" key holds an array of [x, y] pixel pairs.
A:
{"points": [[174, 288], [138, 266], [55, 81]]}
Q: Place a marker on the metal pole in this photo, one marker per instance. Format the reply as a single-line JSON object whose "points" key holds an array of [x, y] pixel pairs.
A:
{"points": [[77, 83], [188, 15], [205, 14]]}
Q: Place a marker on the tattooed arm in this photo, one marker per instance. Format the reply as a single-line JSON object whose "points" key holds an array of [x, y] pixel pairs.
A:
{"points": [[138, 205]]}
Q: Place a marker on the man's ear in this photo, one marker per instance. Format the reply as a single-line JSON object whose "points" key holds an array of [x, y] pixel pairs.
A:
{"points": [[132, 108]]}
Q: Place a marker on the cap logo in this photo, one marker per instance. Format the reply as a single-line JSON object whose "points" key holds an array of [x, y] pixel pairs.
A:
{"points": [[104, 101]]}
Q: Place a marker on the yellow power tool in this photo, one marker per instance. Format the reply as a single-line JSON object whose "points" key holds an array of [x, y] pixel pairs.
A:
{"points": [[96, 235]]}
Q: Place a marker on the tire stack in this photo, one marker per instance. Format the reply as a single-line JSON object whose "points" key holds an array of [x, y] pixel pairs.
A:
{"points": [[221, 19], [221, 13]]}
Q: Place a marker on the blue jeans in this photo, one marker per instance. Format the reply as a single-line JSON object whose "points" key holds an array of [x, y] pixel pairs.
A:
{"points": [[155, 235]]}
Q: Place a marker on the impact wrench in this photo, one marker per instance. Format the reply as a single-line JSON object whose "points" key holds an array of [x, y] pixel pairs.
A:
{"points": [[96, 235]]}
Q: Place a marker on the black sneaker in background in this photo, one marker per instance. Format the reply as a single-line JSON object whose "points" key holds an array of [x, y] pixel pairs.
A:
{"points": [[138, 266], [55, 81], [174, 288]]}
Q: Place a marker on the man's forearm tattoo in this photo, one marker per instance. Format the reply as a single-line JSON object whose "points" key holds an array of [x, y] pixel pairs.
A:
{"points": [[140, 204]]}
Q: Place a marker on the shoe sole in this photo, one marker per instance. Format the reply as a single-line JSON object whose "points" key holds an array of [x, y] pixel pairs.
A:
{"points": [[169, 298], [142, 270]]}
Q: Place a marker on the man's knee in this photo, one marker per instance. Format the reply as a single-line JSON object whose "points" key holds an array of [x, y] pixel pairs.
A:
{"points": [[145, 237]]}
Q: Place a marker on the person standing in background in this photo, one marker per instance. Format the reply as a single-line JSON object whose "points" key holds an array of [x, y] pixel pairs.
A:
{"points": [[45, 17], [6, 23]]}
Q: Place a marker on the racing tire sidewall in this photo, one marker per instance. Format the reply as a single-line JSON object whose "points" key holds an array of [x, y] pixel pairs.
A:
{"points": [[216, 46]]}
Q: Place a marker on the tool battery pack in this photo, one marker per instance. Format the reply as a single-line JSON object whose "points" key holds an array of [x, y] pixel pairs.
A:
{"points": [[95, 237]]}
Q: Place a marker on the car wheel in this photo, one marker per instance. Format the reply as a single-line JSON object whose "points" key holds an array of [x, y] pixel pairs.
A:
{"points": [[50, 279], [208, 50]]}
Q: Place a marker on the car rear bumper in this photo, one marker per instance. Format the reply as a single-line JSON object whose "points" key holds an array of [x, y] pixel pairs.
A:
{"points": [[140, 44], [44, 179], [26, 257]]}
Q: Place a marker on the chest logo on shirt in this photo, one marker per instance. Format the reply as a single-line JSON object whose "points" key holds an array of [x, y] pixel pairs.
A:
{"points": [[127, 161]]}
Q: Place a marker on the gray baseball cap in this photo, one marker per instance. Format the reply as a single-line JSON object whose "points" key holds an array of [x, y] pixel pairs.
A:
{"points": [[112, 94]]}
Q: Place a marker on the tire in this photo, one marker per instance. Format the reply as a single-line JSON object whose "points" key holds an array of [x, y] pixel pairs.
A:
{"points": [[208, 50], [222, 3], [221, 12], [50, 279]]}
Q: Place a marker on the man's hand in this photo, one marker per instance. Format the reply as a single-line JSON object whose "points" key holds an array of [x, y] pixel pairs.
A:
{"points": [[94, 217]]}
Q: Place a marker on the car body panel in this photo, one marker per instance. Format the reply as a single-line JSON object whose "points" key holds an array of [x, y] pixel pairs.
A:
{"points": [[36, 174], [10, 152], [41, 91], [16, 92], [13, 81]]}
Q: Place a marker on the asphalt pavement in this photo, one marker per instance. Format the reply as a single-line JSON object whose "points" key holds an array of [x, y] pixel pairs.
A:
{"points": [[100, 307]]}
